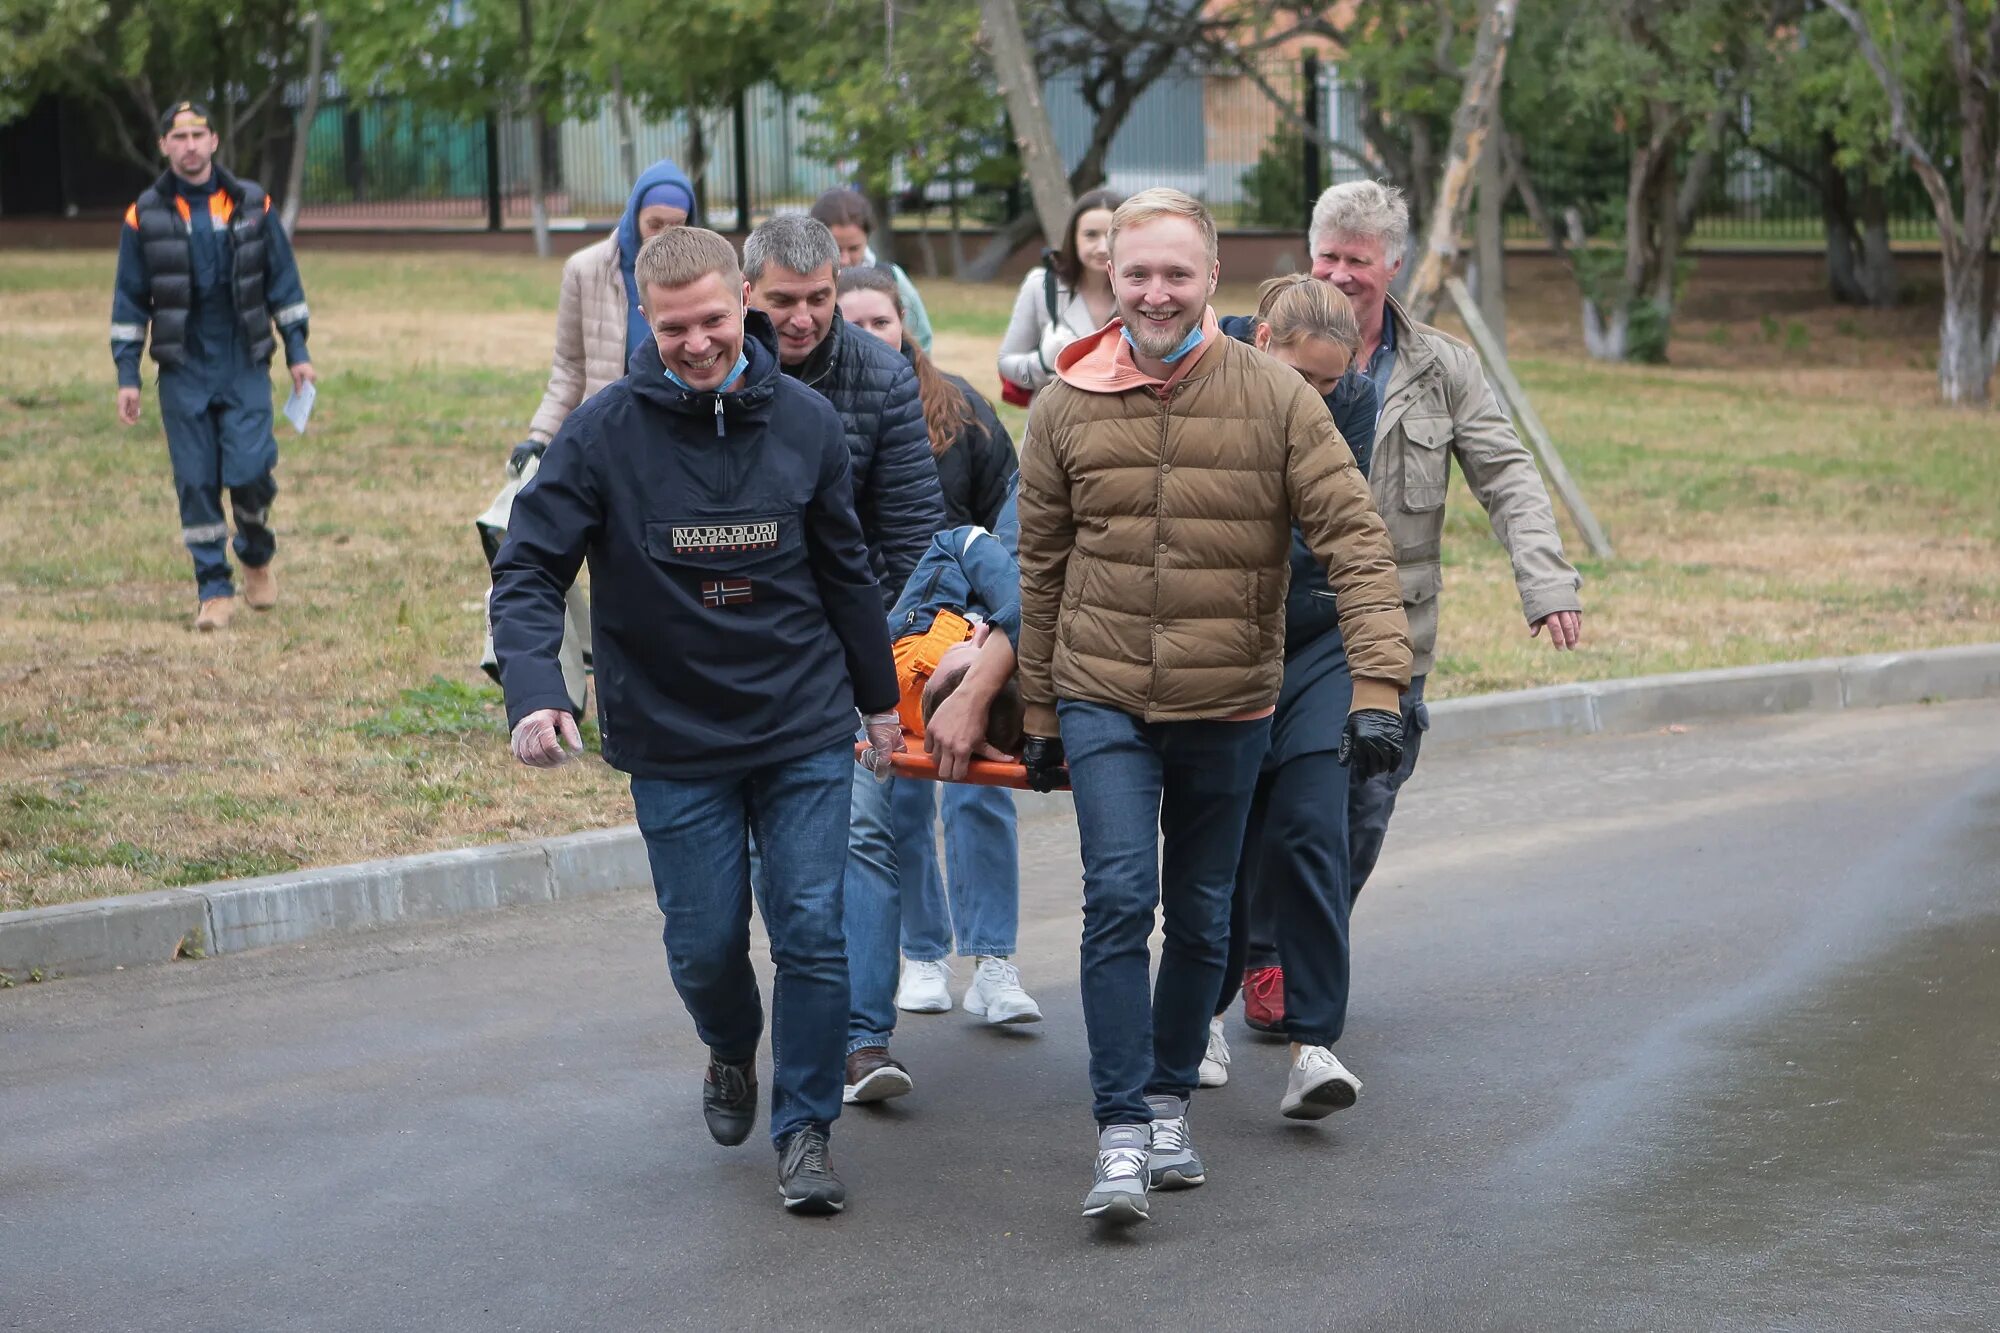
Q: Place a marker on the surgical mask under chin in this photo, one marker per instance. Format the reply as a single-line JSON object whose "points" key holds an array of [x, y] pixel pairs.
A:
{"points": [[742, 364], [1188, 344]]}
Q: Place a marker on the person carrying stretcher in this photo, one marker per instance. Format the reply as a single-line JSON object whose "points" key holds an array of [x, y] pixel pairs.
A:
{"points": [[954, 630]]}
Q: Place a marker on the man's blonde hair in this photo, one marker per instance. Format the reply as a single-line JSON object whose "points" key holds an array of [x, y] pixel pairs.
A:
{"points": [[679, 256], [1162, 202], [1299, 306]]}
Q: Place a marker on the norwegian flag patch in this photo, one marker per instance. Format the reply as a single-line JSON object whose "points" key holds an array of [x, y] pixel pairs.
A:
{"points": [[726, 592]]}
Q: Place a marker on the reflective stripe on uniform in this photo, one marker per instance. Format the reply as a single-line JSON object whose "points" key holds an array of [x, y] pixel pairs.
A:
{"points": [[291, 314], [128, 333], [208, 532]]}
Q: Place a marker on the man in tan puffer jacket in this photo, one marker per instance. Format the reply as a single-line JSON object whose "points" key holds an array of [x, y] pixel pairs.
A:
{"points": [[1160, 478]]}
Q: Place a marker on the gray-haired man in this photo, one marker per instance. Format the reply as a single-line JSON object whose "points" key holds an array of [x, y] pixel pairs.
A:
{"points": [[1436, 406], [790, 263]]}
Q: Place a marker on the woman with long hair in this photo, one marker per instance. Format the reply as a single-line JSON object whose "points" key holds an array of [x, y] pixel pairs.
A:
{"points": [[1067, 296], [977, 901], [1293, 886]]}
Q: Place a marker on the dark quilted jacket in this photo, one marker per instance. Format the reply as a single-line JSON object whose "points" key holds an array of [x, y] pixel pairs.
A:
{"points": [[895, 482], [978, 470]]}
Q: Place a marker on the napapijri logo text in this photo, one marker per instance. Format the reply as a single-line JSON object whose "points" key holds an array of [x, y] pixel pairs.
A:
{"points": [[726, 537]]}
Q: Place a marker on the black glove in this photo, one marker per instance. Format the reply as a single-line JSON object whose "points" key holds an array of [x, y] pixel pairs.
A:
{"points": [[1043, 758], [517, 462], [1372, 743]]}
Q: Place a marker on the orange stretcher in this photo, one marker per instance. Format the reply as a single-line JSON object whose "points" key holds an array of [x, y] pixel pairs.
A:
{"points": [[912, 762]]}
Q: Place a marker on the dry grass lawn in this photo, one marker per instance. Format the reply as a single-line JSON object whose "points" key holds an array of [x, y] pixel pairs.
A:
{"points": [[1785, 489]]}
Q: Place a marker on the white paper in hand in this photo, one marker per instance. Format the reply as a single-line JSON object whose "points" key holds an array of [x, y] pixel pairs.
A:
{"points": [[300, 405]]}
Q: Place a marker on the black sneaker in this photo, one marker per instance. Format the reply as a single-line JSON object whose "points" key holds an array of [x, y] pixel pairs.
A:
{"points": [[805, 1175], [729, 1101]]}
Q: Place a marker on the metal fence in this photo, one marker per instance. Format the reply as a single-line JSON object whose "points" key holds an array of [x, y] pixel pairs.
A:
{"points": [[385, 163], [1213, 132]]}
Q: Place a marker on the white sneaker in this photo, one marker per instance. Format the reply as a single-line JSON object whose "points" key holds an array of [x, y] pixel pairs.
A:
{"points": [[1215, 1064], [923, 988], [996, 995], [1318, 1086]]}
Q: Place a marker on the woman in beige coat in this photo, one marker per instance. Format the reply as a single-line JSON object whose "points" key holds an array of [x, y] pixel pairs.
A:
{"points": [[598, 326]]}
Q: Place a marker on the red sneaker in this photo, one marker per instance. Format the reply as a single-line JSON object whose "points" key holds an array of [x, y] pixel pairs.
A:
{"points": [[1264, 999]]}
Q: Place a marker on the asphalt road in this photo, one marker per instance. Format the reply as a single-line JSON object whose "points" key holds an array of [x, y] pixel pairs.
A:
{"points": [[1694, 1030]]}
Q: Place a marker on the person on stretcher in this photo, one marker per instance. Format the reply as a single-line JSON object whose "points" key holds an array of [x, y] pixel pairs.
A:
{"points": [[954, 630]]}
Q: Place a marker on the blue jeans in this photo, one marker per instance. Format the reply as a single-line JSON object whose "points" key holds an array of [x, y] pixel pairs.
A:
{"points": [[697, 838], [1135, 782], [873, 911], [982, 865]]}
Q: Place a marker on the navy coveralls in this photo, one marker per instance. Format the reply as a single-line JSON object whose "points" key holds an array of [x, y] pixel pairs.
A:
{"points": [[217, 406]]}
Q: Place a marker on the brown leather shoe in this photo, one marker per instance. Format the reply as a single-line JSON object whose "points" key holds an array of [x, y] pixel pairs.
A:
{"points": [[873, 1077], [215, 614], [260, 587]]}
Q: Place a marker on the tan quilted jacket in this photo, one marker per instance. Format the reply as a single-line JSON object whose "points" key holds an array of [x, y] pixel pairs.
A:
{"points": [[1155, 542], [590, 335]]}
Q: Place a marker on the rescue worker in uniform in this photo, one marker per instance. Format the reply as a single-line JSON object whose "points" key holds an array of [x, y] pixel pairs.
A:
{"points": [[202, 261]]}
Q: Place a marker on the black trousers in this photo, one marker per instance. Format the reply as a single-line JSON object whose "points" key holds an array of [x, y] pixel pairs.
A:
{"points": [[1293, 874]]}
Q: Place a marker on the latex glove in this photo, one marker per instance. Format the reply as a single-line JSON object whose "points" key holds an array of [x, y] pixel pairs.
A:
{"points": [[1372, 743], [517, 462], [885, 737], [540, 736], [1042, 756], [1054, 339]]}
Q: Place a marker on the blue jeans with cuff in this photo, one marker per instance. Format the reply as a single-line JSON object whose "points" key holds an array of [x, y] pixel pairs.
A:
{"points": [[977, 900], [1135, 782], [697, 837]]}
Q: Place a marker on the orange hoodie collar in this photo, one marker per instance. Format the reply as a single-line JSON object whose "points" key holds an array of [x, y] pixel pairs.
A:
{"points": [[1102, 362]]}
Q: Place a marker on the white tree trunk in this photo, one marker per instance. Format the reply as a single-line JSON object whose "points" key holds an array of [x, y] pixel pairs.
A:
{"points": [[1965, 351]]}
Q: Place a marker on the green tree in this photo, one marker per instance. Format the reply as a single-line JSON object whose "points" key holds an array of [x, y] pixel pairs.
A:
{"points": [[131, 60], [1819, 115], [899, 87], [1667, 75], [1955, 44], [691, 57]]}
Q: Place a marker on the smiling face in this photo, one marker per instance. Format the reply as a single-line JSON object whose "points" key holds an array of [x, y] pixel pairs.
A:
{"points": [[799, 304], [1093, 240], [1358, 267], [190, 150], [1322, 361], [699, 329], [873, 312], [1162, 277]]}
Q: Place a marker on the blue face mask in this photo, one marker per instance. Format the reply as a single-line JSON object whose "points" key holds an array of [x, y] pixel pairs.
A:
{"points": [[1188, 344], [742, 364]]}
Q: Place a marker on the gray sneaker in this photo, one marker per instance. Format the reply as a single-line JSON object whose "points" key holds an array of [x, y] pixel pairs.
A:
{"points": [[1172, 1164], [1118, 1191]]}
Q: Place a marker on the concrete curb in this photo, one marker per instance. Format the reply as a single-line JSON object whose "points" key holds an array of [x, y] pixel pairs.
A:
{"points": [[234, 915]]}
